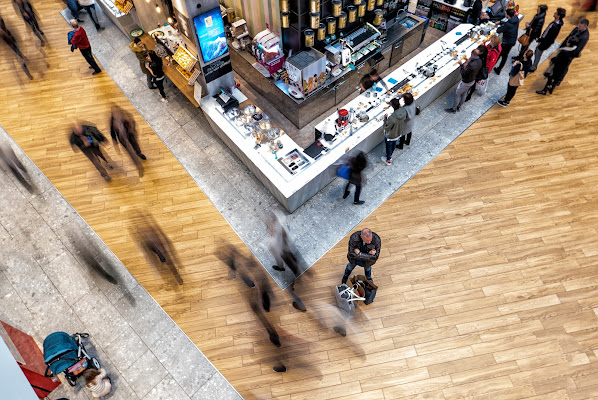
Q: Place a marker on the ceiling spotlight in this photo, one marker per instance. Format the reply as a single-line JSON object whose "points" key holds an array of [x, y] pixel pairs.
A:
{"points": [[158, 10], [169, 19]]}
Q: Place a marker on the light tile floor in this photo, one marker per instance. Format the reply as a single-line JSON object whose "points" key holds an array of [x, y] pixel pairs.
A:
{"points": [[46, 286]]}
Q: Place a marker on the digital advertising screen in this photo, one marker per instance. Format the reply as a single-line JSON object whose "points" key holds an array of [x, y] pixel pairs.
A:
{"points": [[210, 33]]}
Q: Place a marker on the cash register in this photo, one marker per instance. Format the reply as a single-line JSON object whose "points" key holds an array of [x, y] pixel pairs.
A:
{"points": [[226, 101]]}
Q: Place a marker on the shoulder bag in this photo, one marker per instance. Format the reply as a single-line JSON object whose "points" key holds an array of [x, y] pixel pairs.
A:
{"points": [[517, 80], [524, 39]]}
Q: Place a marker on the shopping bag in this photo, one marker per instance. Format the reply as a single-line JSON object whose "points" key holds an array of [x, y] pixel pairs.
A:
{"points": [[343, 171], [343, 301], [481, 85], [370, 294]]}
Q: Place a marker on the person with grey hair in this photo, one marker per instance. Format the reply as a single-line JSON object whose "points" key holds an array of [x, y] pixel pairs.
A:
{"points": [[80, 41], [364, 250]]}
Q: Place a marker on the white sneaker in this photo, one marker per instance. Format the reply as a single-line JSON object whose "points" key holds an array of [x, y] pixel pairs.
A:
{"points": [[163, 100], [385, 161]]}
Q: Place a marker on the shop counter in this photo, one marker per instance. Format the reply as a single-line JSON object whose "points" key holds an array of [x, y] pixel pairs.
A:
{"points": [[336, 89], [363, 134]]}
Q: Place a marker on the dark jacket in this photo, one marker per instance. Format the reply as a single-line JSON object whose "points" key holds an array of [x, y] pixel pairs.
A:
{"points": [[90, 133], [509, 31], [550, 34], [357, 164], [355, 242], [469, 72], [393, 126], [140, 53], [583, 40], [476, 12], [535, 27], [561, 63]]}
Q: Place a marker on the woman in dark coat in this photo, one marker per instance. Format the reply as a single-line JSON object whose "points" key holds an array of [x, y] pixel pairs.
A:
{"points": [[154, 66], [357, 164], [534, 28], [560, 65]]}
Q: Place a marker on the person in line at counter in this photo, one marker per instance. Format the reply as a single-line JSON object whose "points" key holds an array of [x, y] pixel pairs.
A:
{"points": [[533, 29], [475, 12], [469, 71], [509, 30], [548, 36], [364, 250], [89, 6], [154, 65], [517, 76], [74, 8], [140, 50], [357, 164], [582, 34], [369, 80], [412, 111], [559, 65], [80, 41], [482, 73], [393, 129]]}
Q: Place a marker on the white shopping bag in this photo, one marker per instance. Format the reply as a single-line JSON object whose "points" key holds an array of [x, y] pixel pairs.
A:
{"points": [[481, 85]]}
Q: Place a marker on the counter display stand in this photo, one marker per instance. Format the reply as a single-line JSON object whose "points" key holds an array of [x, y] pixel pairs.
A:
{"points": [[443, 15], [125, 21], [363, 134]]}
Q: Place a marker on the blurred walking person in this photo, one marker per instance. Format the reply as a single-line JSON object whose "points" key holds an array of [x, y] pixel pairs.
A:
{"points": [[123, 130], [357, 164], [90, 7], [153, 239], [28, 14], [16, 167], [11, 41], [88, 138], [80, 41]]}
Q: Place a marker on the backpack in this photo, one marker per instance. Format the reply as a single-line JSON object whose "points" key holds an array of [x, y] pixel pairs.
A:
{"points": [[343, 171]]}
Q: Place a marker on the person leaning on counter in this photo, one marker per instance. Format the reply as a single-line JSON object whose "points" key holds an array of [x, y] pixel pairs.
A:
{"points": [[369, 80]]}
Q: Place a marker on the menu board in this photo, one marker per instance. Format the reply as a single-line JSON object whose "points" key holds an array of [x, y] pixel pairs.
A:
{"points": [[210, 33]]}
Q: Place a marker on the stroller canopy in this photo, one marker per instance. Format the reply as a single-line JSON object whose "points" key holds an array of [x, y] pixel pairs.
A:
{"points": [[60, 351]]}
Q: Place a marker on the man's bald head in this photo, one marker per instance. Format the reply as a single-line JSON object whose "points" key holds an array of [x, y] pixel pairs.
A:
{"points": [[366, 235], [74, 23]]}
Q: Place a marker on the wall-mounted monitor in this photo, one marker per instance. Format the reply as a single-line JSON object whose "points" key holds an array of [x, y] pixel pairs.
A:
{"points": [[210, 34]]}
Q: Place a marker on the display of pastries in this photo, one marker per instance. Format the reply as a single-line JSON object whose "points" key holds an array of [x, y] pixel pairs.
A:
{"points": [[184, 58]]}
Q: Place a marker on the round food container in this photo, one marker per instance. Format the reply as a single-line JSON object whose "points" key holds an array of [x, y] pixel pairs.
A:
{"points": [[314, 19], [371, 4], [284, 19], [378, 17], [352, 14], [321, 31], [331, 25], [309, 37], [342, 20], [361, 9], [284, 5], [314, 6], [336, 7]]}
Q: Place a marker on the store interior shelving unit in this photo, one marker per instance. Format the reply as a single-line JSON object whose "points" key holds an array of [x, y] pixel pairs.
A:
{"points": [[442, 15]]}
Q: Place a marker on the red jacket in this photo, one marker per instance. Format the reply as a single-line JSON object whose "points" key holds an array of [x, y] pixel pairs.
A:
{"points": [[80, 39], [493, 54]]}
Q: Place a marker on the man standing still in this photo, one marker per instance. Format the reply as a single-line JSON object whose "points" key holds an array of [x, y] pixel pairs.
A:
{"points": [[469, 71], [364, 250], [140, 50], [582, 34], [80, 40]]}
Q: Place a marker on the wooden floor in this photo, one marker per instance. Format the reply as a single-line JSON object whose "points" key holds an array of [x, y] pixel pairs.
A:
{"points": [[489, 269]]}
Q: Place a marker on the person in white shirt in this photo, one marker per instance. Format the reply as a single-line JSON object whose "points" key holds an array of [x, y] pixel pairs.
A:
{"points": [[90, 5]]}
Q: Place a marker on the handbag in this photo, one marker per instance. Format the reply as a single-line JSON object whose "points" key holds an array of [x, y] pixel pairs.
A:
{"points": [[517, 80], [344, 300], [343, 171], [481, 85], [524, 39]]}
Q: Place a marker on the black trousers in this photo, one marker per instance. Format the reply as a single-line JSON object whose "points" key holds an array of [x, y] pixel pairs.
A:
{"points": [[510, 93], [91, 14], [160, 85], [504, 55], [357, 191], [89, 58]]}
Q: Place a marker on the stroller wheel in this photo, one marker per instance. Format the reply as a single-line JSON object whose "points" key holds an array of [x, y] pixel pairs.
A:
{"points": [[95, 363], [71, 380], [83, 335]]}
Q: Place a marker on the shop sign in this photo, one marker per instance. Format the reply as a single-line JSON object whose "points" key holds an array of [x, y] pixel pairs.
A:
{"points": [[217, 69]]}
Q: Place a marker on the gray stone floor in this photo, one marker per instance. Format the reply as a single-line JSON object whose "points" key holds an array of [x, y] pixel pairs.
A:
{"points": [[46, 286], [325, 219]]}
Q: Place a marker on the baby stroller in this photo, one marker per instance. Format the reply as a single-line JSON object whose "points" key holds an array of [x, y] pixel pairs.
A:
{"points": [[66, 353]]}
